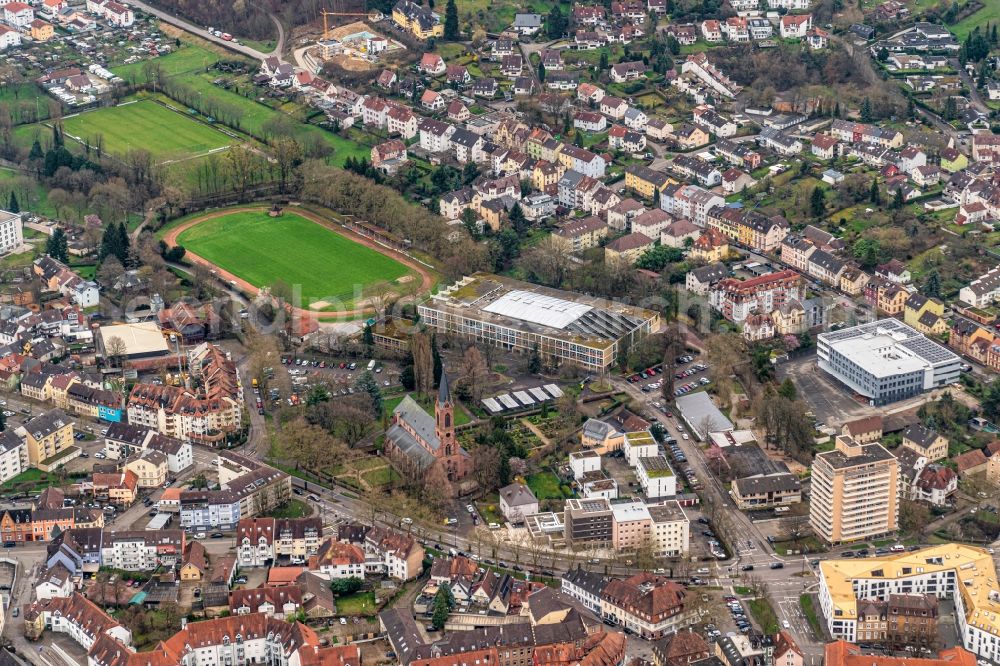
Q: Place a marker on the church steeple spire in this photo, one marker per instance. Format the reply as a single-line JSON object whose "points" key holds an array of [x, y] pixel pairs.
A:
{"points": [[444, 391], [444, 418]]}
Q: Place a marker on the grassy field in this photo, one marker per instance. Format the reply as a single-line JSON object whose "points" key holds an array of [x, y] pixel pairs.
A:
{"points": [[188, 58], [360, 604], [164, 133], [263, 250], [545, 485], [990, 13]]}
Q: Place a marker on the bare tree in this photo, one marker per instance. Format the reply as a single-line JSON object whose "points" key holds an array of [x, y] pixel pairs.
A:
{"points": [[474, 371], [423, 362], [115, 349]]}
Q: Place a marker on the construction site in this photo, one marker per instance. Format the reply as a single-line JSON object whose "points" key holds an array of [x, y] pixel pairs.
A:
{"points": [[354, 46]]}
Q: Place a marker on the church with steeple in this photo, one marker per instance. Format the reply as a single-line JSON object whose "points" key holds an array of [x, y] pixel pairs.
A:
{"points": [[416, 441]]}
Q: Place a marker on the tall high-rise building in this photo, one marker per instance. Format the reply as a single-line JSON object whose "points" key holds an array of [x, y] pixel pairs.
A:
{"points": [[855, 492]]}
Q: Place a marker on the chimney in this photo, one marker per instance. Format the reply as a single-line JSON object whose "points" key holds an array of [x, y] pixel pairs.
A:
{"points": [[184, 623]]}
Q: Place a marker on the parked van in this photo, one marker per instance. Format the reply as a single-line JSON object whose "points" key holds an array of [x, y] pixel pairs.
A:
{"points": [[781, 509]]}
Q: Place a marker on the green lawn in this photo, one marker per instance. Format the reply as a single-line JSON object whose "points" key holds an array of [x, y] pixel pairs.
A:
{"points": [[764, 614], [990, 13], [360, 604], [263, 250], [380, 477], [545, 485], [292, 509], [146, 125], [188, 58], [809, 610], [28, 481]]}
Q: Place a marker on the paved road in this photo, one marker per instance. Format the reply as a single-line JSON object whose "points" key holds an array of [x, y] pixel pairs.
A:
{"points": [[205, 34], [974, 97]]}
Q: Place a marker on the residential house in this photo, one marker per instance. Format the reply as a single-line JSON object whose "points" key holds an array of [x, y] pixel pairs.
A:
{"points": [[627, 248], [792, 26], [516, 502]]}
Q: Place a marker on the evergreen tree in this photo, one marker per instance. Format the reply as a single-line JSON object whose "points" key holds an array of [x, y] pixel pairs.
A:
{"points": [[555, 26], [911, 107], [36, 151], [12, 204], [368, 336], [817, 203], [875, 195], [897, 199], [451, 22], [866, 110], [3, 422], [535, 361], [438, 366], [442, 607], [541, 71], [366, 383], [932, 287], [603, 66], [517, 219], [125, 246], [836, 110], [950, 108], [57, 247]]}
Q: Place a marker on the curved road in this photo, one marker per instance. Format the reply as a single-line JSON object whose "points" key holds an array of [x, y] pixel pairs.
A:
{"points": [[206, 35]]}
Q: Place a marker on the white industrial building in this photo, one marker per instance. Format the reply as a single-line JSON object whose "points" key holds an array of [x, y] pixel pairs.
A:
{"points": [[886, 361]]}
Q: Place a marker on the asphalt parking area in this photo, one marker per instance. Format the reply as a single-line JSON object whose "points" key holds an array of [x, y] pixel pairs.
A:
{"points": [[830, 401]]}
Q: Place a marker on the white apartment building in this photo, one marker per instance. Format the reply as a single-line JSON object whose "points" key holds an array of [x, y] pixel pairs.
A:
{"points": [[670, 535], [963, 574], [656, 477], [639, 445], [582, 462], [13, 455], [11, 232]]}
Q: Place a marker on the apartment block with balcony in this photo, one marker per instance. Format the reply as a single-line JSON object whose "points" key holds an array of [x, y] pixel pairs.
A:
{"points": [[855, 492]]}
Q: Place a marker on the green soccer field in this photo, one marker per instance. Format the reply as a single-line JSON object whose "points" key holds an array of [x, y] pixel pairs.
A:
{"points": [[263, 250], [147, 125]]}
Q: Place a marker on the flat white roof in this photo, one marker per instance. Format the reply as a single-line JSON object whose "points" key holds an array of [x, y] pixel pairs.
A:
{"points": [[143, 338], [538, 309], [630, 511], [880, 355]]}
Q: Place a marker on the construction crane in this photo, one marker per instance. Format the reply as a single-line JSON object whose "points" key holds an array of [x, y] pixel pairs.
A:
{"points": [[325, 13]]}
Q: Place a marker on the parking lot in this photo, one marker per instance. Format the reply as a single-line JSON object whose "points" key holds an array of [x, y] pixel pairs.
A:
{"points": [[689, 374]]}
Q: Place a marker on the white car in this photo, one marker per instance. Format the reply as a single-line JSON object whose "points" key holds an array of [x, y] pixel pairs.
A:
{"points": [[785, 624], [685, 436], [100, 455], [407, 521], [199, 535], [470, 508]]}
